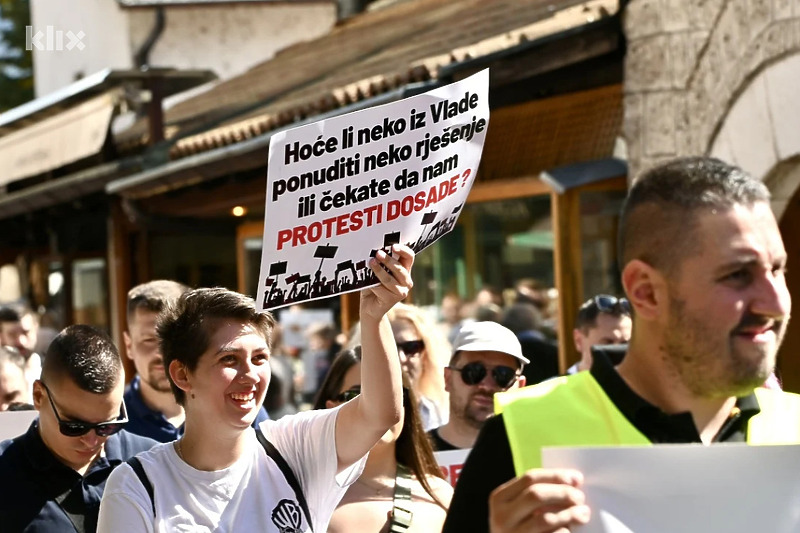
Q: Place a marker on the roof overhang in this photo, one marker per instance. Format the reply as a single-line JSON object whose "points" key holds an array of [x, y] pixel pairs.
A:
{"points": [[578, 175], [244, 155], [152, 3], [174, 81], [64, 189]]}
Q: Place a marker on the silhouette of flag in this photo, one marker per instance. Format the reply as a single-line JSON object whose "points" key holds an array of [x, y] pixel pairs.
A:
{"points": [[277, 269], [293, 278], [427, 218], [391, 238], [326, 252], [344, 265]]}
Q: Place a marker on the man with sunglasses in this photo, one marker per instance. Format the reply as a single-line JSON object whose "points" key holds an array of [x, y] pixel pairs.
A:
{"points": [[53, 476], [703, 266], [603, 320], [487, 358]]}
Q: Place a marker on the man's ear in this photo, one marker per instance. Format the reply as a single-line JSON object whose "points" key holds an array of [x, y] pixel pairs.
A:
{"points": [[577, 338], [644, 286], [38, 395], [522, 380], [180, 376], [447, 376], [128, 343]]}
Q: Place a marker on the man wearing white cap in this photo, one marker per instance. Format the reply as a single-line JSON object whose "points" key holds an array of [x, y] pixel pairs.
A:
{"points": [[487, 358]]}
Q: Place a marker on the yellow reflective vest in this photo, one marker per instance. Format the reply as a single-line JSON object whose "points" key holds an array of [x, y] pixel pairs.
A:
{"points": [[575, 411]]}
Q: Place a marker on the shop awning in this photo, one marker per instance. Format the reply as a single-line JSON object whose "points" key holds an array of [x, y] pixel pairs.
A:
{"points": [[56, 141]]}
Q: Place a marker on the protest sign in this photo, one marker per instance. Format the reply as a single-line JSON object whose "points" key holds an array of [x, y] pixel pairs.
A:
{"points": [[451, 462], [340, 189], [687, 487], [15, 423]]}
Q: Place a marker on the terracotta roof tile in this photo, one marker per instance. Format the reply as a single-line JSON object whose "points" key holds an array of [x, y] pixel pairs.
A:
{"points": [[366, 56]]}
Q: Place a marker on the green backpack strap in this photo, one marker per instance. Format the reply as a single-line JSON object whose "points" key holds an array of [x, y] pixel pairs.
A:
{"points": [[401, 510]]}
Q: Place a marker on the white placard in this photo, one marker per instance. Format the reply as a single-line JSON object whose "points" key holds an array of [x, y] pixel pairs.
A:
{"points": [[340, 189], [15, 423], [452, 462], [687, 488]]}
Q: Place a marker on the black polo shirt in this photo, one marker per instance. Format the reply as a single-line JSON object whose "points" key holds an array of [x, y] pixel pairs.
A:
{"points": [[39, 494], [490, 464]]}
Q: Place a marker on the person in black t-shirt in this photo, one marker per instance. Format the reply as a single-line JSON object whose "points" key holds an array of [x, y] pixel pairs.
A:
{"points": [[487, 358]]}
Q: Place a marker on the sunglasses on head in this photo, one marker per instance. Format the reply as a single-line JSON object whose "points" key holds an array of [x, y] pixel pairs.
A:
{"points": [[77, 428], [611, 304], [348, 395], [474, 373], [411, 348]]}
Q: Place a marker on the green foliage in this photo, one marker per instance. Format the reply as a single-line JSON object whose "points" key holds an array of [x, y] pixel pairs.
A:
{"points": [[16, 63]]}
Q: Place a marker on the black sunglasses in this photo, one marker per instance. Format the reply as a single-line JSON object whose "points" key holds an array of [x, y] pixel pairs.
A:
{"points": [[474, 373], [77, 428], [411, 348], [611, 304], [348, 395]]}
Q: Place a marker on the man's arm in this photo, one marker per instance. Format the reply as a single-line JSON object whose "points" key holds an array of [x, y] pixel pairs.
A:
{"points": [[362, 421], [489, 497]]}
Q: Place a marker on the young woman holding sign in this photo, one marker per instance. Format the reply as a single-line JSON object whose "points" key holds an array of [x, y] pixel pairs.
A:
{"points": [[286, 475]]}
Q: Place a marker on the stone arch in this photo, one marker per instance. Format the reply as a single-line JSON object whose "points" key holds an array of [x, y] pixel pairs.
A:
{"points": [[689, 62], [760, 131]]}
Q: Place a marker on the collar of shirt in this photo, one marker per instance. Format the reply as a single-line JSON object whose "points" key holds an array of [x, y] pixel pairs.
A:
{"points": [[658, 426], [44, 460], [135, 403], [146, 421]]}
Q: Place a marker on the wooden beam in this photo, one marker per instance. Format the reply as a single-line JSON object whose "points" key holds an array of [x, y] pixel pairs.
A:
{"points": [[350, 310], [244, 231], [119, 278], [490, 191], [210, 202], [568, 269]]}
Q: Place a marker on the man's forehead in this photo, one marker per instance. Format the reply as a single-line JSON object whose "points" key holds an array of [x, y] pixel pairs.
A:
{"points": [[489, 356], [742, 231], [10, 326]]}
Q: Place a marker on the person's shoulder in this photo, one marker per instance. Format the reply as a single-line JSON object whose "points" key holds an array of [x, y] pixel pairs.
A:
{"points": [[131, 444], [11, 449], [440, 486], [10, 454], [303, 418]]}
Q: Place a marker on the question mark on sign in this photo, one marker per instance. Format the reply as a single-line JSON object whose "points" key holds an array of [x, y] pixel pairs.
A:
{"points": [[465, 175]]}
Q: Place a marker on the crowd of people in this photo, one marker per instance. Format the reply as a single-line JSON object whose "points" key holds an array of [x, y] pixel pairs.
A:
{"points": [[223, 427]]}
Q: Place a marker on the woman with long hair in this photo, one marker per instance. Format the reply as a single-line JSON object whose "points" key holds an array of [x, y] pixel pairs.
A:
{"points": [[424, 353], [402, 460]]}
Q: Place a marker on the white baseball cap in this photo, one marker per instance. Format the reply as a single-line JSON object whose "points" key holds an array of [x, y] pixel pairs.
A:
{"points": [[488, 336]]}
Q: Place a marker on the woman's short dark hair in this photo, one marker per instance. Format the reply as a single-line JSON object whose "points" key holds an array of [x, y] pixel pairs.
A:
{"points": [[186, 326]]}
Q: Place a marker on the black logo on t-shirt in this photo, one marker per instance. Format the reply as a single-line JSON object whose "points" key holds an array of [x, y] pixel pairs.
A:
{"points": [[287, 516]]}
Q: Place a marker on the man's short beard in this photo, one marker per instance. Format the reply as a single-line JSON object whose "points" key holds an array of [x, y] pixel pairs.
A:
{"points": [[705, 373]]}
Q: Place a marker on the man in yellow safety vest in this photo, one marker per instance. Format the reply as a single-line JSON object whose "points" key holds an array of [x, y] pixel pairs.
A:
{"points": [[703, 266]]}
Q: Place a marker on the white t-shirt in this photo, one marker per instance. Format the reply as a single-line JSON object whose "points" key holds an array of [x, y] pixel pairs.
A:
{"points": [[250, 495]]}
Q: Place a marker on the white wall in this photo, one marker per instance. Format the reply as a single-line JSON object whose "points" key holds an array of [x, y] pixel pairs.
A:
{"points": [[106, 40], [229, 39]]}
